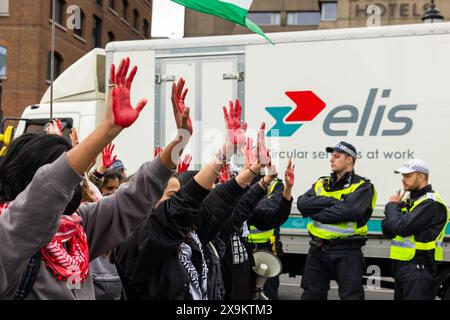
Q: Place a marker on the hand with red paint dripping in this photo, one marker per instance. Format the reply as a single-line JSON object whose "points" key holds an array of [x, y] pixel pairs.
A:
{"points": [[180, 110], [107, 159], [119, 111], [224, 176], [250, 154], [235, 135], [183, 163], [157, 151], [289, 177]]}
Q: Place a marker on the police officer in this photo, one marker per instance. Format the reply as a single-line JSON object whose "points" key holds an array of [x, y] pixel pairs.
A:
{"points": [[340, 205], [416, 226]]}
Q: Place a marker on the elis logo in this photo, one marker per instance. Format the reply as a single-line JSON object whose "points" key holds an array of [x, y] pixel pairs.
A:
{"points": [[344, 120], [308, 106]]}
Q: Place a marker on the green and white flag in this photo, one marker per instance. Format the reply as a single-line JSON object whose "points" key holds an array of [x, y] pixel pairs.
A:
{"points": [[232, 10]]}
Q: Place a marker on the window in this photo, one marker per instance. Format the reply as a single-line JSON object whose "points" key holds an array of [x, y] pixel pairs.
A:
{"points": [[3, 53], [265, 18], [97, 32], [125, 9], [303, 18], [329, 11], [135, 19], [59, 11], [146, 29], [111, 36], [112, 4], [58, 65], [99, 2], [4, 7], [80, 32]]}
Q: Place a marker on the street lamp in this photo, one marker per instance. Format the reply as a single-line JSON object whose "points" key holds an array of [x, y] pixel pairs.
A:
{"points": [[432, 14]]}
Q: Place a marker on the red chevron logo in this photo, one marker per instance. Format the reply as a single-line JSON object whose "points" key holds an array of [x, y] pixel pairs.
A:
{"points": [[308, 106]]}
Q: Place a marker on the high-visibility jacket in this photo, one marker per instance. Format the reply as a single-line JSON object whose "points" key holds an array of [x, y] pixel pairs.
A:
{"points": [[404, 248], [338, 230], [258, 236]]}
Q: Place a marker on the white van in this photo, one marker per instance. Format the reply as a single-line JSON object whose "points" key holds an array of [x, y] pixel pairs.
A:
{"points": [[383, 89]]}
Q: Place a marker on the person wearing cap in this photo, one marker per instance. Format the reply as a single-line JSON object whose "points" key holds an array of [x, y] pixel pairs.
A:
{"points": [[339, 205], [118, 166], [416, 225]]}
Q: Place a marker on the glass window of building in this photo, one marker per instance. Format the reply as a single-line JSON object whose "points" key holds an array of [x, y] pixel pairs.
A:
{"points": [[303, 18], [265, 18], [4, 7], [329, 11], [80, 31], [97, 32]]}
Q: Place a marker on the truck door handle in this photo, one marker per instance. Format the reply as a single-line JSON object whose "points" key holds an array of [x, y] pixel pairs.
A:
{"points": [[234, 76], [165, 78]]}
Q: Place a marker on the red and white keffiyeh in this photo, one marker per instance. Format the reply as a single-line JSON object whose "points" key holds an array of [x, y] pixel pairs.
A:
{"points": [[68, 253]]}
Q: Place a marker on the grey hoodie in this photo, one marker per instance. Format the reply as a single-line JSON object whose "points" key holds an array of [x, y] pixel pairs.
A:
{"points": [[33, 217]]}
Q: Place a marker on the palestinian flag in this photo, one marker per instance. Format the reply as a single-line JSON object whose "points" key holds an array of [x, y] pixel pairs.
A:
{"points": [[232, 10]]}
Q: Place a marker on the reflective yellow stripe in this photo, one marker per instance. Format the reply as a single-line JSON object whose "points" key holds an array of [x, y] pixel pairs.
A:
{"points": [[425, 245], [404, 249], [337, 230], [258, 236]]}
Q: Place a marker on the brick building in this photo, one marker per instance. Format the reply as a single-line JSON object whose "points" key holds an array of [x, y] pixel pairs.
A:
{"points": [[25, 36]]}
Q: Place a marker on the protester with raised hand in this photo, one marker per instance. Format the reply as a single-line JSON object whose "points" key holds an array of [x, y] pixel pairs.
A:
{"points": [[265, 221], [97, 176], [157, 262], [30, 217]]}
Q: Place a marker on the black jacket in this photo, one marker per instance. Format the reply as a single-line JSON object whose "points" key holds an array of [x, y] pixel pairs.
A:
{"points": [[425, 222], [272, 211], [244, 211], [148, 262], [265, 213], [357, 206]]}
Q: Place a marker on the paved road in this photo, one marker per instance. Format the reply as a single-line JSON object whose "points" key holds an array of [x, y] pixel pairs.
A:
{"points": [[290, 290]]}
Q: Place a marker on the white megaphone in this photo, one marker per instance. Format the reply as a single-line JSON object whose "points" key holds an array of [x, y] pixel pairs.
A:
{"points": [[267, 265]]}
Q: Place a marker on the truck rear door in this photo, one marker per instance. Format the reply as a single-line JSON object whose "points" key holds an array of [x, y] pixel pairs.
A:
{"points": [[212, 81]]}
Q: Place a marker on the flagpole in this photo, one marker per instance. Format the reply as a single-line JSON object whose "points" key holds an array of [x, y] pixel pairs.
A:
{"points": [[52, 57]]}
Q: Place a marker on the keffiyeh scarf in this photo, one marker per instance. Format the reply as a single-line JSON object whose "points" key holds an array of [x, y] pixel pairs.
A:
{"points": [[68, 252], [197, 287]]}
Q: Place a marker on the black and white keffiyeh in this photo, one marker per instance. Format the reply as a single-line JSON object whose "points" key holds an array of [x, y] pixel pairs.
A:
{"points": [[198, 289]]}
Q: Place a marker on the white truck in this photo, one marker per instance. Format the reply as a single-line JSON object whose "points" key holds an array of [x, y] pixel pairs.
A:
{"points": [[383, 89]]}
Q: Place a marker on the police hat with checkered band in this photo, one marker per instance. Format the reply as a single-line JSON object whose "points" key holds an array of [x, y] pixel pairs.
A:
{"points": [[414, 165], [343, 147]]}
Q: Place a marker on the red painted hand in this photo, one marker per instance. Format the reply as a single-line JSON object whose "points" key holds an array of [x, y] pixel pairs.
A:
{"points": [[157, 151], [124, 114], [107, 154], [224, 174], [183, 164], [289, 175], [180, 110], [250, 153], [235, 130]]}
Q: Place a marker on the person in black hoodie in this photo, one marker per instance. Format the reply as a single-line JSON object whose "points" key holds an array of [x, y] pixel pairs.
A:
{"points": [[238, 260], [264, 224], [164, 257]]}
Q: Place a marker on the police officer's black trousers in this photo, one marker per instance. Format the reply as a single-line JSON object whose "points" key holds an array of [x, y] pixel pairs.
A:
{"points": [[413, 281], [343, 265]]}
